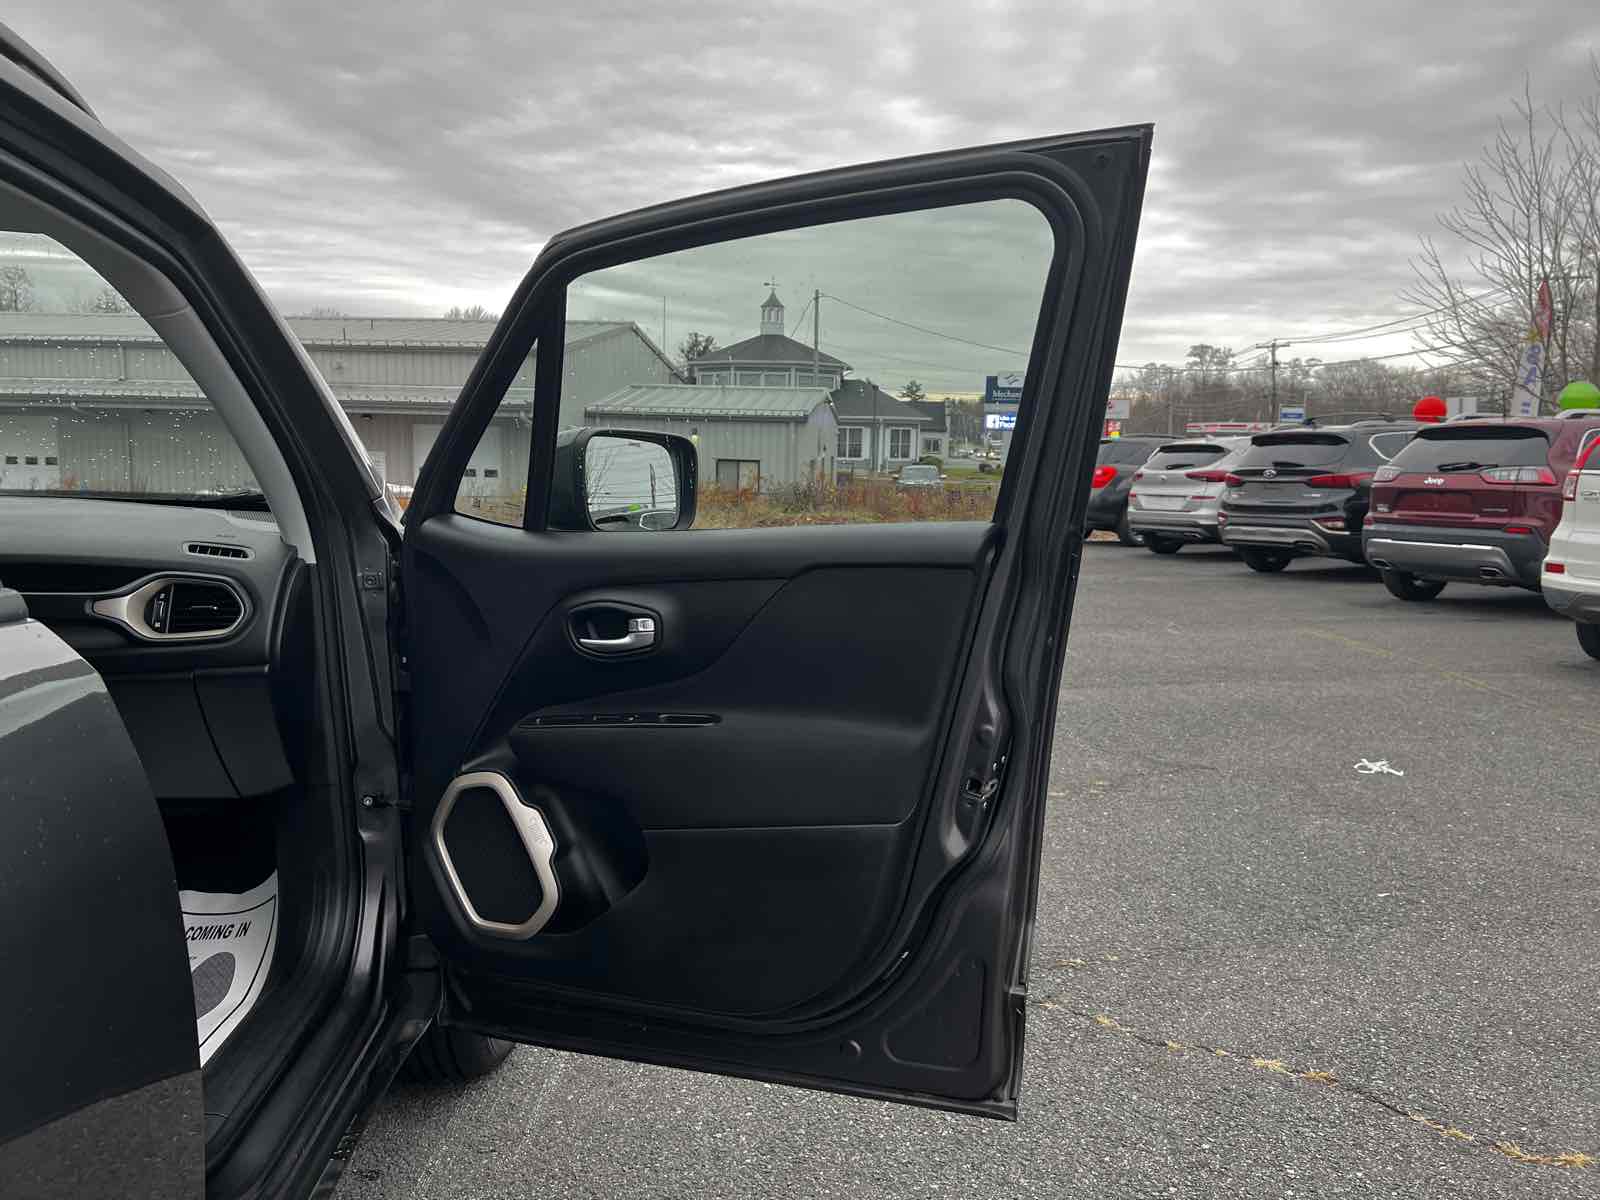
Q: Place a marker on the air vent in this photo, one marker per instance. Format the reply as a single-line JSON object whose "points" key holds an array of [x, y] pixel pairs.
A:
{"points": [[213, 550], [192, 607]]}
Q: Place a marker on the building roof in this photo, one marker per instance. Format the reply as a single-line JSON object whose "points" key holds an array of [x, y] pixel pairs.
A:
{"points": [[38, 395], [772, 348], [430, 332], [935, 412], [772, 299], [853, 401], [692, 400]]}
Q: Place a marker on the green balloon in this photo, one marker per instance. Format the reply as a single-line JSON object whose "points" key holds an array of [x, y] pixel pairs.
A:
{"points": [[1580, 393]]}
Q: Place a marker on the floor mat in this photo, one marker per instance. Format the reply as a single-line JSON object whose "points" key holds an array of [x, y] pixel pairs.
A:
{"points": [[231, 936]]}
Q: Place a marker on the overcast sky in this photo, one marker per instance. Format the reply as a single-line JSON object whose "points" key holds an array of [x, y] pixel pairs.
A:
{"points": [[396, 158]]}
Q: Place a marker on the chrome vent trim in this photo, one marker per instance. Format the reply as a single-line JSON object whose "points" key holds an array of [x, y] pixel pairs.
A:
{"points": [[129, 609]]}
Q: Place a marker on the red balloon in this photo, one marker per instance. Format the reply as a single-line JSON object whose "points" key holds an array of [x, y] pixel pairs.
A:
{"points": [[1430, 409]]}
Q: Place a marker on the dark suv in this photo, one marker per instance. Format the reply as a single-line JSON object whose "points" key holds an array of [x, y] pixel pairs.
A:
{"points": [[1301, 491], [1473, 501], [1119, 458]]}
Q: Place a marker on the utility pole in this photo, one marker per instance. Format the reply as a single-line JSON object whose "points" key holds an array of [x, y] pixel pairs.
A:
{"points": [[1273, 346], [816, 327], [663, 324]]}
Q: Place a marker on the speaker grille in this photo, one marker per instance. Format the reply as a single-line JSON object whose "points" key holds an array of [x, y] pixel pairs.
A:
{"points": [[490, 859]]}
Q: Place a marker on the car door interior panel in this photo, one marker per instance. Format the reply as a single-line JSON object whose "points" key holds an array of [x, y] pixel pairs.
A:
{"points": [[695, 791]]}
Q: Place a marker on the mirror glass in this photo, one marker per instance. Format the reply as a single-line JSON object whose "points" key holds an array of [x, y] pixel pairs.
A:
{"points": [[631, 485]]}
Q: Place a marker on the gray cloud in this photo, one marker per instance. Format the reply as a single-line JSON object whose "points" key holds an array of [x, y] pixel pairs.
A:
{"points": [[402, 158]]}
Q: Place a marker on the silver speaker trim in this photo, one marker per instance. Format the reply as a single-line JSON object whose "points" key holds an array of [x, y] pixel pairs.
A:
{"points": [[537, 841]]}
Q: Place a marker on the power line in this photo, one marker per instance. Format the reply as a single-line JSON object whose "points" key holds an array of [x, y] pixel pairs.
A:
{"points": [[949, 337], [802, 316]]}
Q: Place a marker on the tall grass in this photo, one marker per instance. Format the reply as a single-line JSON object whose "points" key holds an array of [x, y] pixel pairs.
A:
{"points": [[847, 502]]}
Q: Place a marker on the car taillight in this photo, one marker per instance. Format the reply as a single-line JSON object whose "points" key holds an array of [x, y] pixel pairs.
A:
{"points": [[1339, 481], [1207, 476], [1518, 475], [1520, 529], [1367, 521], [1138, 475], [1222, 517], [1569, 485], [1556, 568], [1233, 480], [1103, 476], [1384, 474]]}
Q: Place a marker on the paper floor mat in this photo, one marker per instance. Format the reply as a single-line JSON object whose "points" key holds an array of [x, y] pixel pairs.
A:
{"points": [[231, 936]]}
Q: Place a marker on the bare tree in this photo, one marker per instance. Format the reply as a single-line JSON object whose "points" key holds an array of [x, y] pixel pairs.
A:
{"points": [[473, 312], [326, 312], [109, 301], [16, 289], [1531, 213]]}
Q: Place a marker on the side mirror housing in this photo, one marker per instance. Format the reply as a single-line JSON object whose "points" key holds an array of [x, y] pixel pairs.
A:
{"points": [[623, 481]]}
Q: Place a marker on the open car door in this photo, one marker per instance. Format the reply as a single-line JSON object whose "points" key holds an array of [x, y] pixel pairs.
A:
{"points": [[719, 757]]}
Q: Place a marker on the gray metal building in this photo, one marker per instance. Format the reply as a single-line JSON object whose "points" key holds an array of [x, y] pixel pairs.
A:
{"points": [[749, 438], [94, 400]]}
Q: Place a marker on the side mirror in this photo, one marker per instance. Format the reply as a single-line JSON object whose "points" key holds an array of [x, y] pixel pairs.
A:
{"points": [[623, 481]]}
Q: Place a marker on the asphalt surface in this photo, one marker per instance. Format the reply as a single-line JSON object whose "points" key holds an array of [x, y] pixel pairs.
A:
{"points": [[1258, 972]]}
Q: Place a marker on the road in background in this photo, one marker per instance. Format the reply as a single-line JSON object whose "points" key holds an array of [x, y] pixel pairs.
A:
{"points": [[1258, 972]]}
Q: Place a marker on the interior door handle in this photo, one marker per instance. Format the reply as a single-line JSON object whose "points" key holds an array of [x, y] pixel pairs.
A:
{"points": [[641, 634]]}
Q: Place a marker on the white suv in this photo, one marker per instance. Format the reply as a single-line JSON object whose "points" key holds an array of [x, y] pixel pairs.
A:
{"points": [[1571, 576]]}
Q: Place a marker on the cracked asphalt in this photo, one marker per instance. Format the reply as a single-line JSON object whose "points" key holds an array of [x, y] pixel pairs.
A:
{"points": [[1217, 877]]}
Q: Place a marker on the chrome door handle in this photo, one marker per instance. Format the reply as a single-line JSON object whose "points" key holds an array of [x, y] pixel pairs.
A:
{"points": [[641, 633]]}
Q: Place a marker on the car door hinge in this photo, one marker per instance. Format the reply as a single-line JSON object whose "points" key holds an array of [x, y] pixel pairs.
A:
{"points": [[371, 580]]}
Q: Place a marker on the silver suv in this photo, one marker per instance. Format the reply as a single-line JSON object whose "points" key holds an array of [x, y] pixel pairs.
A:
{"points": [[1175, 494]]}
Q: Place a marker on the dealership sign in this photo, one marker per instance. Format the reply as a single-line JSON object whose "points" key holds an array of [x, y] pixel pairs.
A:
{"points": [[1002, 390]]}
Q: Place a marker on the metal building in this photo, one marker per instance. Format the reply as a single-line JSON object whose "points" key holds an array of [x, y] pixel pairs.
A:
{"points": [[94, 400], [749, 438]]}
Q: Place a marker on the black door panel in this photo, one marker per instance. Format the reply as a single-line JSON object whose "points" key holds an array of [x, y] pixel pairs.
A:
{"points": [[734, 812]]}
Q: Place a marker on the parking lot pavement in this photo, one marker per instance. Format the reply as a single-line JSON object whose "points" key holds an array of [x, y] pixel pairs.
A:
{"points": [[1258, 972]]}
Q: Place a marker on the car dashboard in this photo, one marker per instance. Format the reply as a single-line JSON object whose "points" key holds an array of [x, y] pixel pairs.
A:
{"points": [[196, 619]]}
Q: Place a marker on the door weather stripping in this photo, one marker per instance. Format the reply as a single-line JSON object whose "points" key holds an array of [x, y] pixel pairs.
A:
{"points": [[536, 841]]}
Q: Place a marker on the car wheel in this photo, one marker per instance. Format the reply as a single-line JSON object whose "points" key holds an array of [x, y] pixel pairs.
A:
{"points": [[1265, 561], [1125, 533], [1157, 544], [1589, 639], [1408, 587], [451, 1056]]}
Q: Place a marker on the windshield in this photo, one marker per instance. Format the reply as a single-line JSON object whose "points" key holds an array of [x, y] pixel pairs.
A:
{"points": [[1474, 447], [95, 403], [1185, 456], [1286, 451]]}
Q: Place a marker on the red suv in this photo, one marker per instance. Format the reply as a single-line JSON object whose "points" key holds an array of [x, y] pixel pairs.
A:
{"points": [[1473, 500]]}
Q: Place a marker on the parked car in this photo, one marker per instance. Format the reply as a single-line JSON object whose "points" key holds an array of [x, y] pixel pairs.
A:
{"points": [[1115, 464], [1173, 500], [1298, 491], [1572, 565], [919, 477], [1472, 501], [515, 777]]}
